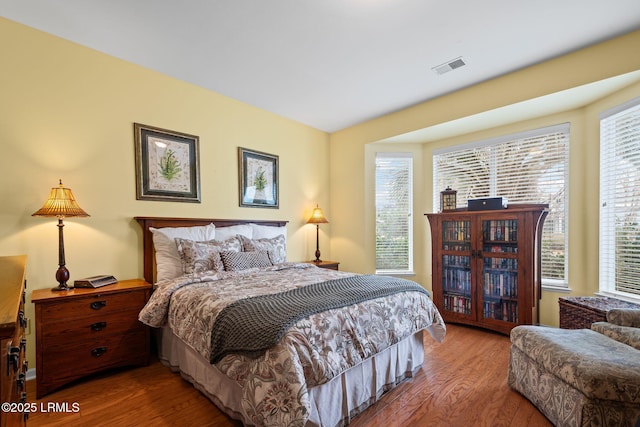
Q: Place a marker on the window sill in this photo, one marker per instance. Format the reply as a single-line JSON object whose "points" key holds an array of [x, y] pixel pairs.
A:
{"points": [[395, 273], [620, 296], [552, 285], [558, 289]]}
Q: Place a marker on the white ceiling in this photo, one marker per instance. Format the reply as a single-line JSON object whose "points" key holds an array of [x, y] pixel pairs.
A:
{"points": [[330, 64]]}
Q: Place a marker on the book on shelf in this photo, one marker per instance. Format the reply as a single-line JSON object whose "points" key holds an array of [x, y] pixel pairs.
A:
{"points": [[456, 231], [457, 304], [456, 273], [496, 263], [510, 248], [501, 310], [503, 284], [461, 247], [501, 230]]}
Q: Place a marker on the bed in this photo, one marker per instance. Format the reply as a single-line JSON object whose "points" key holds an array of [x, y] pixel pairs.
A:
{"points": [[322, 368]]}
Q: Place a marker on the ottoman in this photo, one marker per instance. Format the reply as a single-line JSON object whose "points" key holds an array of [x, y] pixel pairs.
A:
{"points": [[576, 377]]}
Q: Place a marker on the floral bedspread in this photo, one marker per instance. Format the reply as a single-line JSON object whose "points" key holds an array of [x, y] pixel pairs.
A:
{"points": [[311, 353]]}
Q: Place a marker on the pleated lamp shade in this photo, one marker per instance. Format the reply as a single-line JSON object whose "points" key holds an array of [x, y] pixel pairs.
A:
{"points": [[60, 204], [317, 217]]}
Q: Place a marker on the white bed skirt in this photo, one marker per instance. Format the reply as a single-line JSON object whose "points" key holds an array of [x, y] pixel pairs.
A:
{"points": [[333, 404]]}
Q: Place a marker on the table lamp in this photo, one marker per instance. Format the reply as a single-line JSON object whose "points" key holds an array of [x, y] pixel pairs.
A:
{"points": [[317, 218], [60, 204]]}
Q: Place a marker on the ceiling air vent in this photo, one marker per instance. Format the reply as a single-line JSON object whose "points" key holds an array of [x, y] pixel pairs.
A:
{"points": [[449, 66]]}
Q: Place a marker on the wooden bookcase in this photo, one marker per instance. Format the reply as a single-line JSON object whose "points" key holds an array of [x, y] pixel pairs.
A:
{"points": [[486, 265]]}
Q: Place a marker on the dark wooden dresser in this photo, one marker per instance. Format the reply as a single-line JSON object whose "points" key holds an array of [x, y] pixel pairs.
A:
{"points": [[13, 368], [83, 331]]}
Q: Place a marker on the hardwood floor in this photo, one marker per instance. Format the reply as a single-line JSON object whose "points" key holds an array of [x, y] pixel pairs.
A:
{"points": [[462, 383]]}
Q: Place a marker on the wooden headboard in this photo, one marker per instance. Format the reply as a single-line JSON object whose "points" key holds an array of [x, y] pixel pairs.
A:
{"points": [[147, 222]]}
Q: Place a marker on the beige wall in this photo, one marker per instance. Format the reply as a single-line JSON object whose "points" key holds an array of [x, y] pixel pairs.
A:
{"points": [[68, 112], [353, 149]]}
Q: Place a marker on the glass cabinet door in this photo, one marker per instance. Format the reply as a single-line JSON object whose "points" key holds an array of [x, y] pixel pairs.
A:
{"points": [[456, 267], [499, 276]]}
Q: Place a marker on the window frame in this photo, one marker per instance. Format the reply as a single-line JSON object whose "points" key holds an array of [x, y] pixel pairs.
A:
{"points": [[608, 181], [409, 232], [553, 284]]}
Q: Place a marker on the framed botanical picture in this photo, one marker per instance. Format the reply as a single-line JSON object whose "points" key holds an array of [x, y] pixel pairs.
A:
{"points": [[167, 165], [258, 179]]}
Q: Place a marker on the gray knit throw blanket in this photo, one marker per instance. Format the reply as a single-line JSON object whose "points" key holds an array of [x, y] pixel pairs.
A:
{"points": [[252, 325]]}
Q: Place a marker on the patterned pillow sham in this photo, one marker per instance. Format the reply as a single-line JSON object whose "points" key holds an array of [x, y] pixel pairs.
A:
{"points": [[276, 247], [204, 256], [236, 261], [168, 262]]}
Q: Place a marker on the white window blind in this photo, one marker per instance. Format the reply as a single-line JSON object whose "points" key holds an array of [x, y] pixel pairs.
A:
{"points": [[528, 167], [620, 200], [394, 205]]}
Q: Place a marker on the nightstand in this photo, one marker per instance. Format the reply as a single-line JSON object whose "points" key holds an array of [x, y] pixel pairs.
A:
{"points": [[83, 331], [331, 265]]}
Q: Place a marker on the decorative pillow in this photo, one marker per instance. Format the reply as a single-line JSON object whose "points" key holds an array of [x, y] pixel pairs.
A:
{"points": [[224, 233], [624, 317], [625, 334], [204, 256], [276, 246], [267, 232], [168, 262], [236, 261]]}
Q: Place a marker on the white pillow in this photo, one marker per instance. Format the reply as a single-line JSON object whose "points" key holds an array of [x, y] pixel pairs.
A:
{"points": [[224, 233], [267, 232], [168, 262]]}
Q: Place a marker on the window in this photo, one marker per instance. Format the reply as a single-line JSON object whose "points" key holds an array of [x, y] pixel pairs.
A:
{"points": [[620, 200], [394, 205], [529, 167]]}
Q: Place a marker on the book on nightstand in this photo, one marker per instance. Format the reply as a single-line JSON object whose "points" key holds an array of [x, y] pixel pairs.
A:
{"points": [[95, 281]]}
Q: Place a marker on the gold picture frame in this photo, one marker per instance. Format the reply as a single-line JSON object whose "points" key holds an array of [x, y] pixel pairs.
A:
{"points": [[258, 179], [167, 165]]}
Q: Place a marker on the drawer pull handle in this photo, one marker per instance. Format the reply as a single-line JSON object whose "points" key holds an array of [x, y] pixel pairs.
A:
{"points": [[98, 326], [20, 381], [14, 358], [98, 351], [23, 319], [97, 305]]}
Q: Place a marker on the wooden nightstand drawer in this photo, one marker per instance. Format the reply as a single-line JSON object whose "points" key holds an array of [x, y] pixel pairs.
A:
{"points": [[87, 330], [92, 306], [84, 331], [68, 362]]}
